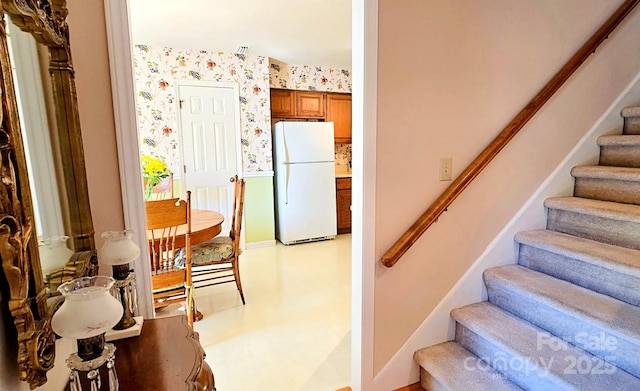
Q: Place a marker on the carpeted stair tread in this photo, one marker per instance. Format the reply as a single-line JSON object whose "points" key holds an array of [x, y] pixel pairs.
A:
{"points": [[604, 268], [605, 221], [445, 364], [531, 357], [621, 259], [607, 183], [631, 120], [566, 309], [630, 174], [631, 111], [620, 150], [598, 208], [620, 319], [630, 140]]}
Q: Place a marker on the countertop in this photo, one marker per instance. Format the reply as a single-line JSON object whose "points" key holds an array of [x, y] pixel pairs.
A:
{"points": [[342, 171]]}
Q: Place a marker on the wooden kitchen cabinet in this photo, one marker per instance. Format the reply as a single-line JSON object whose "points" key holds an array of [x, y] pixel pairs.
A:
{"points": [[343, 204], [309, 104], [297, 104], [314, 105], [282, 103], [339, 112]]}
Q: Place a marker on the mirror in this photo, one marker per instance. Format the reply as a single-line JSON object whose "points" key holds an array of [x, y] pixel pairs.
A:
{"points": [[45, 20], [31, 79]]}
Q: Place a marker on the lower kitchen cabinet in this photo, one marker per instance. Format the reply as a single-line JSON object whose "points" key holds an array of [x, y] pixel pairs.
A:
{"points": [[343, 204]]}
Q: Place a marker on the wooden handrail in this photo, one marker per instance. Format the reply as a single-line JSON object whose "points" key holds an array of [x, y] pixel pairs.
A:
{"points": [[486, 156]]}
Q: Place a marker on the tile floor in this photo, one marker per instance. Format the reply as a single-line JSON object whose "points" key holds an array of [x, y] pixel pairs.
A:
{"points": [[294, 332]]}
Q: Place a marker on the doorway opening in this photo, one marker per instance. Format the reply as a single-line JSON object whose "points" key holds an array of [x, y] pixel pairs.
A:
{"points": [[264, 147]]}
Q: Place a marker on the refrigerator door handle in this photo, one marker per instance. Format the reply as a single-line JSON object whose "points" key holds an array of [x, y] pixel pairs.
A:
{"points": [[284, 146], [286, 183]]}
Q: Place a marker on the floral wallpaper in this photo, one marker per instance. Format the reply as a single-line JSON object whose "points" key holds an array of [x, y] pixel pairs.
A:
{"points": [[157, 68], [305, 77]]}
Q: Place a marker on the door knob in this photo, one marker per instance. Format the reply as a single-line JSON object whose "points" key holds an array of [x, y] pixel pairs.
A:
{"points": [[232, 179]]}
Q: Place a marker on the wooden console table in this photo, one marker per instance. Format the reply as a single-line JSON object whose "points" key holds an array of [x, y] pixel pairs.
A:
{"points": [[165, 357]]}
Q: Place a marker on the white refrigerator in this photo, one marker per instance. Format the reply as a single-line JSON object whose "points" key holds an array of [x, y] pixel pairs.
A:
{"points": [[305, 185]]}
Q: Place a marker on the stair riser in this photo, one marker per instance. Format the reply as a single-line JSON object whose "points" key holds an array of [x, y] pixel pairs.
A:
{"points": [[617, 156], [509, 364], [608, 190], [429, 383], [622, 353], [605, 230], [445, 367], [631, 125], [599, 279]]}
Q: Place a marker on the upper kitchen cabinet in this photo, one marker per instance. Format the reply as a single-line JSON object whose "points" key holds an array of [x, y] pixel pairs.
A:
{"points": [[339, 112], [314, 105], [283, 103], [297, 104], [309, 104]]}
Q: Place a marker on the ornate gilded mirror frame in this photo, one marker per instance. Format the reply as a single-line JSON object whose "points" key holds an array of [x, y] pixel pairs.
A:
{"points": [[46, 21]]}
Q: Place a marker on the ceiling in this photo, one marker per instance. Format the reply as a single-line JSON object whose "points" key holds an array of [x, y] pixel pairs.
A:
{"points": [[301, 32]]}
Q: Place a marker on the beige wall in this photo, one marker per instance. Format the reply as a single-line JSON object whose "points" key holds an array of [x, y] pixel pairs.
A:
{"points": [[451, 75], [91, 62], [89, 51]]}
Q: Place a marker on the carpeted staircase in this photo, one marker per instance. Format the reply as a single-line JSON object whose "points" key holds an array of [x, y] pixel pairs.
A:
{"points": [[567, 315]]}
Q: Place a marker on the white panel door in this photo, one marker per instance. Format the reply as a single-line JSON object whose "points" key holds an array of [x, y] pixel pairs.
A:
{"points": [[208, 125]]}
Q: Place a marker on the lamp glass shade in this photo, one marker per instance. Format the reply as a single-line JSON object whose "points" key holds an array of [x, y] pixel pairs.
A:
{"points": [[89, 308], [119, 248]]}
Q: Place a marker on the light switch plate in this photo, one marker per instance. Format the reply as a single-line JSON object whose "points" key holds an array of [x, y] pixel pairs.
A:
{"points": [[445, 169]]}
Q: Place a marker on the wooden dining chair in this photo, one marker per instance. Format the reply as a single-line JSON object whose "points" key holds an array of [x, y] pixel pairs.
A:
{"points": [[216, 261], [170, 265]]}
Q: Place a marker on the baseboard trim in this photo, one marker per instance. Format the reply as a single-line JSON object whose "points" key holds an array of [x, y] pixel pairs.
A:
{"points": [[257, 174], [411, 387], [263, 244]]}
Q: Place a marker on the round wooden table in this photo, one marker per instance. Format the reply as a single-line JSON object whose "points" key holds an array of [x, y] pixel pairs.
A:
{"points": [[205, 224]]}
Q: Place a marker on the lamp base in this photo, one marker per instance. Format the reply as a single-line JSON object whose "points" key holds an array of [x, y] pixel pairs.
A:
{"points": [[91, 366], [133, 331], [125, 323], [125, 291]]}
